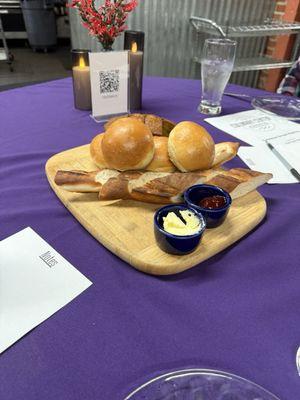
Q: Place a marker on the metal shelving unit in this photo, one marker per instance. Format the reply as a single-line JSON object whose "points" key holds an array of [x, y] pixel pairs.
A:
{"points": [[269, 28], [12, 7], [8, 7], [5, 54]]}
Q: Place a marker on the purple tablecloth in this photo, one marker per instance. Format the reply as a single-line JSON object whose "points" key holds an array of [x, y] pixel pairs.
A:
{"points": [[238, 311]]}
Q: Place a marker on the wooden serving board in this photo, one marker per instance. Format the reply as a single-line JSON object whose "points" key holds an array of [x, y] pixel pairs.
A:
{"points": [[126, 227]]}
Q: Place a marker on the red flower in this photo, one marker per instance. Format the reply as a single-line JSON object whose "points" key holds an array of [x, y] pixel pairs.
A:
{"points": [[108, 21]]}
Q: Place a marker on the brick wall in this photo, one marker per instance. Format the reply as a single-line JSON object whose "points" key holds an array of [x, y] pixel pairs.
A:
{"points": [[280, 47]]}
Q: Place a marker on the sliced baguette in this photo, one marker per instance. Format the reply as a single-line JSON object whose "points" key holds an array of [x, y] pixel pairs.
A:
{"points": [[158, 187], [239, 181]]}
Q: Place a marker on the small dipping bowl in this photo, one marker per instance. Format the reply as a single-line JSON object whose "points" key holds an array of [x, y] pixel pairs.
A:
{"points": [[213, 217], [176, 244]]}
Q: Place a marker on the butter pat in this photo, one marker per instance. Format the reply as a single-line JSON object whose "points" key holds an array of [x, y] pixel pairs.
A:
{"points": [[173, 224]]}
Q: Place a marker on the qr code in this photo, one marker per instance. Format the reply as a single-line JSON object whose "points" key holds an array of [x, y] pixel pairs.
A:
{"points": [[109, 81]]}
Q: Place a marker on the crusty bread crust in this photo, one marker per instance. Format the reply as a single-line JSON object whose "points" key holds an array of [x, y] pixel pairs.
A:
{"points": [[155, 124], [78, 181], [159, 126], [239, 181]]}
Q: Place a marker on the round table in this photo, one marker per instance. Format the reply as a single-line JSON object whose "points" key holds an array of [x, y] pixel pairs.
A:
{"points": [[237, 312]]}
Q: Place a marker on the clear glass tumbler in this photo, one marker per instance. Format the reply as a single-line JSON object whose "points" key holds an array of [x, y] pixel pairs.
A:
{"points": [[216, 67]]}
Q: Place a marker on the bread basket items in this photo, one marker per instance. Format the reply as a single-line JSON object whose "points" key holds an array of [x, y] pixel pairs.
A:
{"points": [[147, 158], [150, 159], [151, 143]]}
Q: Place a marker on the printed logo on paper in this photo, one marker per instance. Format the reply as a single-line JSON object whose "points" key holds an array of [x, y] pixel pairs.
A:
{"points": [[48, 259]]}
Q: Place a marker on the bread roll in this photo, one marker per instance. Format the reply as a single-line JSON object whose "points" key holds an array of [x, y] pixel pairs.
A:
{"points": [[96, 151], [191, 147], [128, 145], [161, 161]]}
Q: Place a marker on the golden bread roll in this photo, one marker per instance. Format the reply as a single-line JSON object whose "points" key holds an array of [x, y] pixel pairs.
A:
{"points": [[191, 147], [128, 145], [96, 151], [161, 161]]}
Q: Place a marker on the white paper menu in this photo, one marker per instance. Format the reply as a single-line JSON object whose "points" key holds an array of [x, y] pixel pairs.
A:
{"points": [[255, 127], [35, 282]]}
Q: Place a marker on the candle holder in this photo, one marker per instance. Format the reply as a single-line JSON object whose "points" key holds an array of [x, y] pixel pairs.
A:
{"points": [[132, 37], [81, 79], [134, 42]]}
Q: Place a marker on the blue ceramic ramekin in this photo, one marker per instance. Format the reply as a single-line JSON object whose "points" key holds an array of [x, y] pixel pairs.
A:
{"points": [[214, 217], [175, 244]]}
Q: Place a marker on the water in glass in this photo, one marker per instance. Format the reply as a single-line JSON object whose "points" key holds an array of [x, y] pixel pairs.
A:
{"points": [[216, 67]]}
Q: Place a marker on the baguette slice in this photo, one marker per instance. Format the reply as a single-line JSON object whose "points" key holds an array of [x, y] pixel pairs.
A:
{"points": [[224, 152], [157, 187], [78, 181], [239, 181]]}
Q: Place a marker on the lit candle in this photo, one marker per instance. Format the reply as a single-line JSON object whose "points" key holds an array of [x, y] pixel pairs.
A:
{"points": [[82, 85], [134, 42], [136, 77]]}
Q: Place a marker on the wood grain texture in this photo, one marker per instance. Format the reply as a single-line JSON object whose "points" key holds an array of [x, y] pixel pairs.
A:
{"points": [[125, 227]]}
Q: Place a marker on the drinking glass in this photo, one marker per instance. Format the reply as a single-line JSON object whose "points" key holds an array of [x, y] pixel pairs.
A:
{"points": [[216, 67]]}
